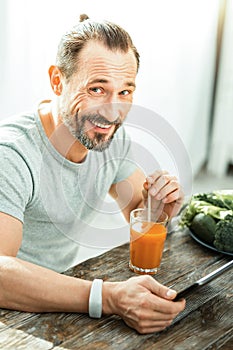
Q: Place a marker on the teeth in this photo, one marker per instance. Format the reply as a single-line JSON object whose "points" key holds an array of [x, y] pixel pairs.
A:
{"points": [[103, 126]]}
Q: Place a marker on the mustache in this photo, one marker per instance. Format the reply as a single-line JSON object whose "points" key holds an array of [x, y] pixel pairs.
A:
{"points": [[98, 118]]}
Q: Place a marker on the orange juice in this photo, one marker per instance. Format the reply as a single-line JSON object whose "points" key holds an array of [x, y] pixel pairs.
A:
{"points": [[146, 245]]}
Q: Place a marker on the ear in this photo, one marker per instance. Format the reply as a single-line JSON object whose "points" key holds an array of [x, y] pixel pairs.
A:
{"points": [[55, 79]]}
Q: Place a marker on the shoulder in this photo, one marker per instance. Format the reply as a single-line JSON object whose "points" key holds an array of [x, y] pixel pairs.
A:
{"points": [[16, 126], [20, 141]]}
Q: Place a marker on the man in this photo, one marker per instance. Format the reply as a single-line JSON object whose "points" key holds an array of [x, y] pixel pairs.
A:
{"points": [[52, 163]]}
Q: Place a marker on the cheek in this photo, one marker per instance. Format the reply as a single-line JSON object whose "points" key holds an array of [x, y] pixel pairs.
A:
{"points": [[77, 102], [126, 108], [86, 104]]}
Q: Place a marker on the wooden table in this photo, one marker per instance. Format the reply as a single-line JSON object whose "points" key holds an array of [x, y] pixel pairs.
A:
{"points": [[207, 322]]}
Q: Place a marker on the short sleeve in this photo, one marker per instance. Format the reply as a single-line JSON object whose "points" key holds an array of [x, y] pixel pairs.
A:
{"points": [[15, 183], [126, 163]]}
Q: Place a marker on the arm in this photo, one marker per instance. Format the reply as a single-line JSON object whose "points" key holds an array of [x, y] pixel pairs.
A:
{"points": [[128, 193], [28, 287], [140, 301]]}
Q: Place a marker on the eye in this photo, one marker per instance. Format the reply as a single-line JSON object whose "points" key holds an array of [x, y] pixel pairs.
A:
{"points": [[125, 92], [96, 90]]}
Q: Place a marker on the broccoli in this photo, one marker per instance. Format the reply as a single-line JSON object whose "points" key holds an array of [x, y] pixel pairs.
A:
{"points": [[224, 234], [216, 205]]}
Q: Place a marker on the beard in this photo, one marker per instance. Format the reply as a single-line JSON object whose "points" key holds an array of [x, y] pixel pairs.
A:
{"points": [[76, 126]]}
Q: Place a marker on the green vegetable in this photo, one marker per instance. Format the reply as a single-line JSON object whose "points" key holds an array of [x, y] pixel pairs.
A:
{"points": [[204, 227], [217, 198], [210, 217], [224, 234]]}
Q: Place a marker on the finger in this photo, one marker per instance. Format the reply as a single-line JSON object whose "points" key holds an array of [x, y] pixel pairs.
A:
{"points": [[167, 308], [163, 296], [157, 208], [160, 297], [143, 318], [151, 330], [172, 196], [155, 308], [153, 177], [145, 193], [156, 323], [150, 179], [155, 204], [156, 288], [176, 195], [148, 326], [155, 316], [169, 190], [161, 183]]}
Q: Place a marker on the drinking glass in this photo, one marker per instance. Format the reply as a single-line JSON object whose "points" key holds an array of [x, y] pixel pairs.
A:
{"points": [[147, 236]]}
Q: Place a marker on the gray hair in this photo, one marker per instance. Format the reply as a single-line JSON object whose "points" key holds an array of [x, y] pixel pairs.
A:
{"points": [[110, 34]]}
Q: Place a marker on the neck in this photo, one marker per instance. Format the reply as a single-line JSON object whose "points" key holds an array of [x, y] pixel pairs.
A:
{"points": [[59, 135]]}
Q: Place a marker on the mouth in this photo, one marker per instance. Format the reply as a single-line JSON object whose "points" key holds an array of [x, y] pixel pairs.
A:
{"points": [[99, 127]]}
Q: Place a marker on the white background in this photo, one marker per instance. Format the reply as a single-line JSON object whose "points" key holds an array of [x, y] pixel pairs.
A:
{"points": [[177, 43]]}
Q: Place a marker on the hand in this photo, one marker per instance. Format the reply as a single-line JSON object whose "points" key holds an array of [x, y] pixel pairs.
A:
{"points": [[165, 191], [142, 302]]}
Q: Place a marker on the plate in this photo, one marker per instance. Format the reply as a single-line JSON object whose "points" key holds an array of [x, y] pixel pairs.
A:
{"points": [[198, 240], [207, 245]]}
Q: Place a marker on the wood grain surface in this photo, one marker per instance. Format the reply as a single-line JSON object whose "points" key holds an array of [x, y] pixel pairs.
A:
{"points": [[206, 323]]}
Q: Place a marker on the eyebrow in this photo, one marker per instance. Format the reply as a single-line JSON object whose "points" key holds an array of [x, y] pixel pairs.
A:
{"points": [[105, 81]]}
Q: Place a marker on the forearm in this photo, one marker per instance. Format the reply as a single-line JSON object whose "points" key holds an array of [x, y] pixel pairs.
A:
{"points": [[28, 287]]}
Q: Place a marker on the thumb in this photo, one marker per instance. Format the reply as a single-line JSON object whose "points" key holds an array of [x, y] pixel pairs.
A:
{"points": [[161, 290], [144, 194]]}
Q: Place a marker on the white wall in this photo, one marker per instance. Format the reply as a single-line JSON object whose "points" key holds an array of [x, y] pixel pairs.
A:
{"points": [[221, 150], [176, 40]]}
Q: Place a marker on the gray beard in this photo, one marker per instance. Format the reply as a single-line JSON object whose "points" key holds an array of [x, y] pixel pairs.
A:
{"points": [[76, 127]]}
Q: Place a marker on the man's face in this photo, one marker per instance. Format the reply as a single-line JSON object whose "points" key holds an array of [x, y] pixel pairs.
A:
{"points": [[97, 98]]}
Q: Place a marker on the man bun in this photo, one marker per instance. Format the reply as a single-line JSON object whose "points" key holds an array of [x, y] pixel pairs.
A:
{"points": [[83, 17]]}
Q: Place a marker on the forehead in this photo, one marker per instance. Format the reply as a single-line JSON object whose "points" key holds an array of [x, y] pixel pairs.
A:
{"points": [[95, 57]]}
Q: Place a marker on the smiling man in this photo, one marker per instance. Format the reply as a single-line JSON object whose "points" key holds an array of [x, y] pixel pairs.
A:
{"points": [[56, 165], [96, 98]]}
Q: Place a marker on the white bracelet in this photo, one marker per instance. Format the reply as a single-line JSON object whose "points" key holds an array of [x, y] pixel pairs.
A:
{"points": [[95, 299]]}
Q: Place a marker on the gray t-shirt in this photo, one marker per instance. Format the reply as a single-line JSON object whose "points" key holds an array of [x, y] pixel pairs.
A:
{"points": [[55, 198]]}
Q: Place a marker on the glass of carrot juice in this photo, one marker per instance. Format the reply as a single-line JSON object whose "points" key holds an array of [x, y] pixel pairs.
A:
{"points": [[146, 241]]}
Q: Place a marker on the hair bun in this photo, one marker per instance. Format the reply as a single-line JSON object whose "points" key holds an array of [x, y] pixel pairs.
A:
{"points": [[83, 17]]}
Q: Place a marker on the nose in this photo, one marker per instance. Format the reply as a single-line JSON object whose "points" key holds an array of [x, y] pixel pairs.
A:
{"points": [[111, 111], [114, 107]]}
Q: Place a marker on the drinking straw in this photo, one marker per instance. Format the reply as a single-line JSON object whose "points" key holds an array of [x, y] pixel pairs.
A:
{"points": [[148, 207]]}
